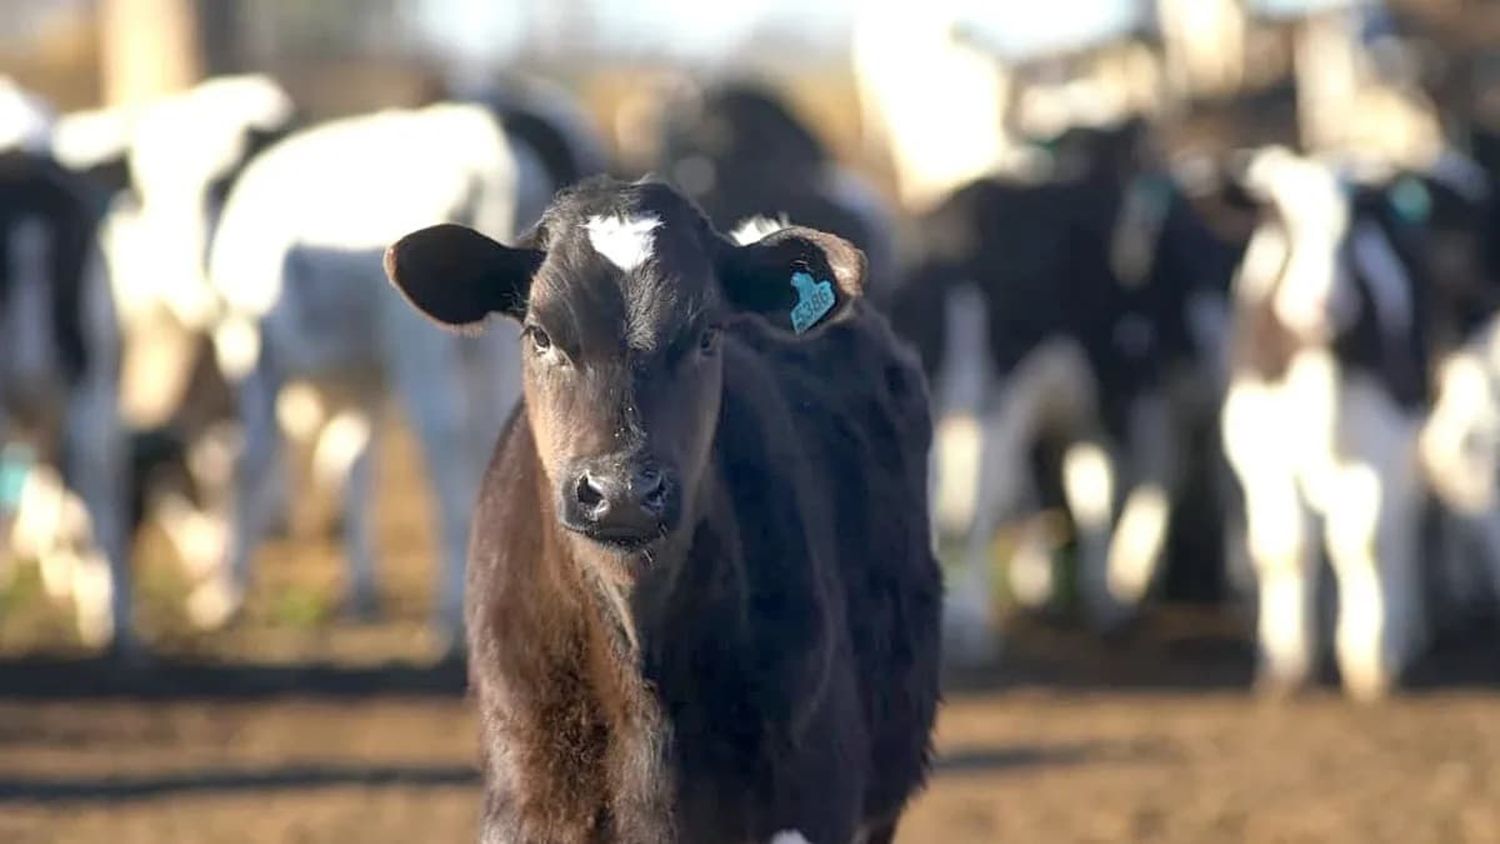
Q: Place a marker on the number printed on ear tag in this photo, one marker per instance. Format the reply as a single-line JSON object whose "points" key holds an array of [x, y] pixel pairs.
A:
{"points": [[814, 300]]}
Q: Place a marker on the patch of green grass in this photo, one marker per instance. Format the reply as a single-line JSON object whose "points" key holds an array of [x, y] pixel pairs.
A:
{"points": [[300, 607]]}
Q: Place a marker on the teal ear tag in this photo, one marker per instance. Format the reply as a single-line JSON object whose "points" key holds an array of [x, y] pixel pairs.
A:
{"points": [[814, 300], [1412, 200], [15, 465]]}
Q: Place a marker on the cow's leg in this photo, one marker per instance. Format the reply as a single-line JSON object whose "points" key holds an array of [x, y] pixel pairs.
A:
{"points": [[1089, 478], [304, 418], [1400, 546], [1031, 575], [1370, 534], [1259, 434], [255, 499], [1057, 392], [953, 471], [1140, 536], [101, 593], [1277, 532], [1372, 519], [969, 614], [345, 459], [961, 388], [97, 456], [426, 366], [1363, 614], [52, 525]]}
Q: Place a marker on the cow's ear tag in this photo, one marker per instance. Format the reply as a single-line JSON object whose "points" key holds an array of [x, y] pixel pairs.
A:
{"points": [[814, 300], [1412, 200], [15, 464]]}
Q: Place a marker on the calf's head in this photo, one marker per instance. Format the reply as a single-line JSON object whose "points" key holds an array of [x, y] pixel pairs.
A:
{"points": [[623, 291], [1293, 262]]}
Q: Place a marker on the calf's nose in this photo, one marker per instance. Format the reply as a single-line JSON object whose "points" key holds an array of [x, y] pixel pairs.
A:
{"points": [[628, 501]]}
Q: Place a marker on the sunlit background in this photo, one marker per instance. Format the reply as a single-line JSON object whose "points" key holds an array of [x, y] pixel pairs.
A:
{"points": [[1221, 567]]}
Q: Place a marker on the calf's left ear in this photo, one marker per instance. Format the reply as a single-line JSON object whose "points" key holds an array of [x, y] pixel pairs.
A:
{"points": [[457, 276], [796, 278]]}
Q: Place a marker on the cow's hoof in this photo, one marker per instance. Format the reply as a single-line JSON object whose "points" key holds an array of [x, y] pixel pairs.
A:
{"points": [[1368, 686], [1272, 685]]}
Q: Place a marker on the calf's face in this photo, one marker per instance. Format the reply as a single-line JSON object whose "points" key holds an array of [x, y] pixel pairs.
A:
{"points": [[1307, 219], [624, 291]]}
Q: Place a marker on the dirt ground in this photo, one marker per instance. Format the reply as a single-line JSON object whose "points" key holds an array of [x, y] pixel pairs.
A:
{"points": [[296, 726], [1022, 765]]}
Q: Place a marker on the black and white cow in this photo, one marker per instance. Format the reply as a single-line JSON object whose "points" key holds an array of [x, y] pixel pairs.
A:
{"points": [[1458, 444], [1348, 291], [163, 167], [297, 266], [741, 153], [1460, 452], [62, 501], [1056, 318]]}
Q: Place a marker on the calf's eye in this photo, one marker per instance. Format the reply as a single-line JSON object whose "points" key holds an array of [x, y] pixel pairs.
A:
{"points": [[540, 342]]}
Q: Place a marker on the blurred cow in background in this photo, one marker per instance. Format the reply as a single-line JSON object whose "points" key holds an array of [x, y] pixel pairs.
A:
{"points": [[1460, 451], [1458, 441], [549, 121], [193, 358], [739, 152], [62, 499], [1351, 287], [297, 264], [165, 166], [1063, 316]]}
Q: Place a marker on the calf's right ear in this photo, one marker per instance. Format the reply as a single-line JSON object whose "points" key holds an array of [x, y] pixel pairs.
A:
{"points": [[457, 276]]}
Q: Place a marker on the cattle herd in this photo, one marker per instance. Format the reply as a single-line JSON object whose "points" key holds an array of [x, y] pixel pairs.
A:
{"points": [[1149, 371], [737, 406]]}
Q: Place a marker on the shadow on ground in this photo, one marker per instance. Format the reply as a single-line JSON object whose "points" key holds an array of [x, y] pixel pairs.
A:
{"points": [[116, 788], [223, 780], [108, 678], [1186, 649]]}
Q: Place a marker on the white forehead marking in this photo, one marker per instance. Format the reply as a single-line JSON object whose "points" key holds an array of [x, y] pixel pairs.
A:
{"points": [[753, 229], [789, 836], [625, 241]]}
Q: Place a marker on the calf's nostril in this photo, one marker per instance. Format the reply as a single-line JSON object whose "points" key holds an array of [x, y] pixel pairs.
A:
{"points": [[587, 493], [651, 488]]}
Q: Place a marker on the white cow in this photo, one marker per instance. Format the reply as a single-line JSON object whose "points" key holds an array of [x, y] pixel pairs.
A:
{"points": [[297, 265]]}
